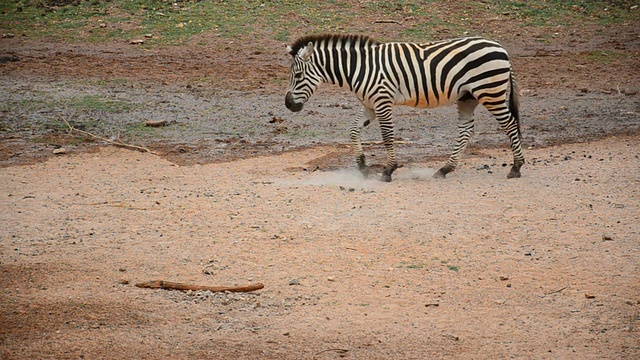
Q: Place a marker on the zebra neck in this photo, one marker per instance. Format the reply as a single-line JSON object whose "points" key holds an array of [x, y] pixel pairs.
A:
{"points": [[346, 65]]}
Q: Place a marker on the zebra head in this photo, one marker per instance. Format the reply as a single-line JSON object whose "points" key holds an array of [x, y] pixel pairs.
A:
{"points": [[303, 79]]}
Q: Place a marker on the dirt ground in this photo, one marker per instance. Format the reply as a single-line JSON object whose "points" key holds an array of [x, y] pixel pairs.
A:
{"points": [[239, 191]]}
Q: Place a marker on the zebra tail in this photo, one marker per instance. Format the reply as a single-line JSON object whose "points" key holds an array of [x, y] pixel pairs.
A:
{"points": [[514, 101]]}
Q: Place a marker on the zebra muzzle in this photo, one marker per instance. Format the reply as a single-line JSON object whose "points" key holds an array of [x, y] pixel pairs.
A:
{"points": [[291, 104]]}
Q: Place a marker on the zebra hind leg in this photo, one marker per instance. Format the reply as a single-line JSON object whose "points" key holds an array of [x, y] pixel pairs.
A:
{"points": [[465, 130], [509, 125]]}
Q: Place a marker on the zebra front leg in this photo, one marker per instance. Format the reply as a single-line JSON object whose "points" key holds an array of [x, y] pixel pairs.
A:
{"points": [[386, 128], [465, 130], [362, 120]]}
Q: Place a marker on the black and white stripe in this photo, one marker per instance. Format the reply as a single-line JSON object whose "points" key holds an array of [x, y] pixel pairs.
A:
{"points": [[468, 71]]}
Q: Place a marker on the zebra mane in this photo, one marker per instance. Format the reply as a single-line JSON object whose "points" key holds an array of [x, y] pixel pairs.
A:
{"points": [[364, 40]]}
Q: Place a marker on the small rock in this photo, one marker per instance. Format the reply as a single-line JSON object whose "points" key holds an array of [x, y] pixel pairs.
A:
{"points": [[331, 278], [59, 151], [589, 296], [451, 337], [504, 277], [294, 282], [606, 237], [136, 42]]}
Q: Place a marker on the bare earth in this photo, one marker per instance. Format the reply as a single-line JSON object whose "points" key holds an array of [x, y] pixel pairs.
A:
{"points": [[475, 266]]}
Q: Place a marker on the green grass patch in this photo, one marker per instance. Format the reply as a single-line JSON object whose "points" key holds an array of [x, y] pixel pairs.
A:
{"points": [[171, 22], [411, 265], [177, 22], [605, 57], [100, 103], [566, 12]]}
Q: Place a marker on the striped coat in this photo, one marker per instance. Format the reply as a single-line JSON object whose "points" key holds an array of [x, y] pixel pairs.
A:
{"points": [[467, 71]]}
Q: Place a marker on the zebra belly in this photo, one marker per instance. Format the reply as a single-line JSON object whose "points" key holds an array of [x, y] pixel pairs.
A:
{"points": [[425, 102]]}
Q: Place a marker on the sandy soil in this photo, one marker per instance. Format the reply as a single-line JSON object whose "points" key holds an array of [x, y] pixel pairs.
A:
{"points": [[241, 191], [476, 266]]}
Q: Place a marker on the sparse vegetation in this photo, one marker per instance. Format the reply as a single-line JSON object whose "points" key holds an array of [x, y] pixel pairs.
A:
{"points": [[605, 57], [169, 22], [100, 104]]}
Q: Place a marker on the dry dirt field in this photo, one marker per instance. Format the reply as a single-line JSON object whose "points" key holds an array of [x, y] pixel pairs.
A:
{"points": [[475, 266]]}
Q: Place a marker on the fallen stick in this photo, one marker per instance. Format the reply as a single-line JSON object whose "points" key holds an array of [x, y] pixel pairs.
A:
{"points": [[339, 351], [388, 22], [377, 142], [156, 123], [116, 142], [160, 284]]}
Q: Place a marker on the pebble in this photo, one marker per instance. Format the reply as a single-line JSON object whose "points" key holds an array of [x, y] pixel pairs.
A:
{"points": [[59, 151]]}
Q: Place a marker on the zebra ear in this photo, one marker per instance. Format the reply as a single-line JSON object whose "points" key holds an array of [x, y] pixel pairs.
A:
{"points": [[290, 50], [307, 52]]}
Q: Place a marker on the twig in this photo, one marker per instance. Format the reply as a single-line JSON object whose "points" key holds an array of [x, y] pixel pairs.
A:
{"points": [[553, 292], [388, 22], [116, 142], [156, 123], [556, 291], [116, 203], [160, 284], [341, 351], [378, 142]]}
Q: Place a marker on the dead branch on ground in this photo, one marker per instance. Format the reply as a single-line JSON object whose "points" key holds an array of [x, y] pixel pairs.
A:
{"points": [[388, 22], [338, 350], [116, 141], [160, 284]]}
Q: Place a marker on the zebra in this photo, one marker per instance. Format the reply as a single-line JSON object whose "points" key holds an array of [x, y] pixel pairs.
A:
{"points": [[468, 71]]}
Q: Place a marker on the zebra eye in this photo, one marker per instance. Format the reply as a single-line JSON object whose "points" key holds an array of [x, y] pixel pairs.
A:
{"points": [[298, 75]]}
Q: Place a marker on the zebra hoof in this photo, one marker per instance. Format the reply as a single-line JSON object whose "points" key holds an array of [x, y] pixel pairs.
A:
{"points": [[365, 171], [439, 175], [443, 172], [385, 178], [513, 174]]}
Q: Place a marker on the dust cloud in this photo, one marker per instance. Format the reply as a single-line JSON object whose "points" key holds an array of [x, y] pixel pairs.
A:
{"points": [[352, 178]]}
